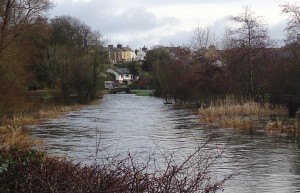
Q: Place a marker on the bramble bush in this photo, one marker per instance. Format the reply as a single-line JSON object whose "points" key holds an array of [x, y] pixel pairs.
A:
{"points": [[34, 171]]}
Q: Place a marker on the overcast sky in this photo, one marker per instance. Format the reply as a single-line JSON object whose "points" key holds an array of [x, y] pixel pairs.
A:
{"points": [[165, 22]]}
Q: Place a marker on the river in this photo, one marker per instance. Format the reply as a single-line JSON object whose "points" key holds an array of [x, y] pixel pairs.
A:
{"points": [[121, 123]]}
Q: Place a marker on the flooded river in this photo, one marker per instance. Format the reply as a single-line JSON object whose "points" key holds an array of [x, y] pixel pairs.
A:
{"points": [[121, 123]]}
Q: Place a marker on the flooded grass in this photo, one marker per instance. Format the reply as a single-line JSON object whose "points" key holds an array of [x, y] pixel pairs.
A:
{"points": [[248, 115], [12, 133], [16, 137], [284, 126], [232, 114], [25, 118]]}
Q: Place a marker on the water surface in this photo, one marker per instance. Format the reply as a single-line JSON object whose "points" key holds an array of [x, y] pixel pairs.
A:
{"points": [[265, 163]]}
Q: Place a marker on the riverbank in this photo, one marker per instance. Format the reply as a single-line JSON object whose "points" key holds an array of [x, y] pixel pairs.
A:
{"points": [[140, 92], [12, 132]]}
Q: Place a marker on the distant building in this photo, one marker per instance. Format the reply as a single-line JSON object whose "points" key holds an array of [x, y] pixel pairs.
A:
{"points": [[140, 55], [120, 53], [115, 54], [121, 74], [127, 54]]}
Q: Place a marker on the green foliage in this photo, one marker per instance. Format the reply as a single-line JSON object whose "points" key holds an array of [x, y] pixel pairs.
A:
{"points": [[161, 66], [4, 164], [13, 157], [87, 79], [133, 86], [143, 92], [73, 60], [12, 164]]}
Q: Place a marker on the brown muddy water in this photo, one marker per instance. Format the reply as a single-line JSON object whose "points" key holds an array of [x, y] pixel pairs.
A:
{"points": [[141, 125]]}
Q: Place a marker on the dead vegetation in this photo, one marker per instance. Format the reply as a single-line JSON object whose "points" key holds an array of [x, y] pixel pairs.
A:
{"points": [[243, 114], [12, 132], [284, 126], [231, 113], [33, 171]]}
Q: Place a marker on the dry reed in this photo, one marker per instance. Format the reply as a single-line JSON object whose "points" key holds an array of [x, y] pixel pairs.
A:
{"points": [[291, 127], [13, 136], [12, 133], [231, 113]]}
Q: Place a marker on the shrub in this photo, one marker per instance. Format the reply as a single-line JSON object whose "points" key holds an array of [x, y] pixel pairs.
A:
{"points": [[33, 171], [133, 86]]}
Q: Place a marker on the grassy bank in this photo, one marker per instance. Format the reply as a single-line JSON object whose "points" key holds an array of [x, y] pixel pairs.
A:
{"points": [[142, 92], [12, 132]]}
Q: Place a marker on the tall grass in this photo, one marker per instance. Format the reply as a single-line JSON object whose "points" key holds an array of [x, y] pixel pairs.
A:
{"points": [[284, 126], [12, 133], [233, 113], [26, 118], [16, 137], [247, 114]]}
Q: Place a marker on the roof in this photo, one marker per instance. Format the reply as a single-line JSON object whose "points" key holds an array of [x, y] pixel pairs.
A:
{"points": [[127, 49], [119, 48], [114, 49], [122, 71]]}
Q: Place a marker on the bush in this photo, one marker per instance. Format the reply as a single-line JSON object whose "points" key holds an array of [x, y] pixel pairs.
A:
{"points": [[133, 86], [33, 171]]}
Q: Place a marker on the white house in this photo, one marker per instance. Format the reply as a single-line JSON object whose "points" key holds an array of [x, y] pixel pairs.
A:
{"points": [[121, 74], [140, 55]]}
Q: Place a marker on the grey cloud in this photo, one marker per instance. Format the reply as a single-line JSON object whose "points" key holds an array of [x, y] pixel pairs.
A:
{"points": [[180, 38], [110, 19], [277, 31], [132, 22], [185, 2], [138, 20]]}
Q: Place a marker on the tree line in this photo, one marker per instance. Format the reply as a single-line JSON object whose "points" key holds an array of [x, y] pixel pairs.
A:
{"points": [[36, 52], [66, 55], [248, 65]]}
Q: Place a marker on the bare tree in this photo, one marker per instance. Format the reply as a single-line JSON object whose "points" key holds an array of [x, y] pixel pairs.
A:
{"points": [[202, 38], [15, 15], [249, 38], [293, 27], [284, 81], [227, 39]]}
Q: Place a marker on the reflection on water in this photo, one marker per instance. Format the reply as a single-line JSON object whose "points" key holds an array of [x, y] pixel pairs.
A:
{"points": [[141, 124]]}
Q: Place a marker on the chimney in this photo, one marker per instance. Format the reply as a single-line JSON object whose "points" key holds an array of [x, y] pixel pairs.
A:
{"points": [[212, 47], [119, 46]]}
